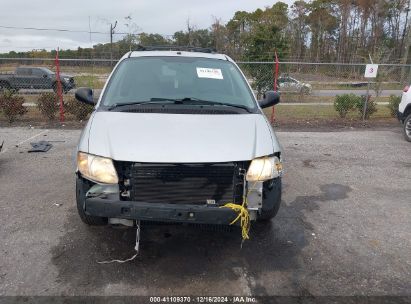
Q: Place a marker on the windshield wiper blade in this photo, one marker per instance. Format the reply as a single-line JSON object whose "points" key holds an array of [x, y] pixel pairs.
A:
{"points": [[216, 103], [202, 102], [153, 100], [185, 100], [175, 100], [118, 105]]}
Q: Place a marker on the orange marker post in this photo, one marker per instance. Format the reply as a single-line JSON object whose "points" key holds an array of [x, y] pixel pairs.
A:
{"points": [[275, 84], [59, 87]]}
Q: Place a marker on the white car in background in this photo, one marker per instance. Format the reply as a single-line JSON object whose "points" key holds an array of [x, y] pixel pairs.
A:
{"points": [[288, 84], [404, 112]]}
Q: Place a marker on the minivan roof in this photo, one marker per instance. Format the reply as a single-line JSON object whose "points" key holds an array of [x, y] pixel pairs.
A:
{"points": [[176, 54]]}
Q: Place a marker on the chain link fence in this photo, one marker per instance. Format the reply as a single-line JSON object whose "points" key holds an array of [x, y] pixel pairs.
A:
{"points": [[32, 83]]}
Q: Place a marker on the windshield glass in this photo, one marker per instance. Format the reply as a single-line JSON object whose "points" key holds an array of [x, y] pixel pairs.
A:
{"points": [[147, 78], [47, 71]]}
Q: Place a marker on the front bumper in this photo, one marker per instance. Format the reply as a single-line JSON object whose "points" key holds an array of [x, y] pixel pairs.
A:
{"points": [[163, 212]]}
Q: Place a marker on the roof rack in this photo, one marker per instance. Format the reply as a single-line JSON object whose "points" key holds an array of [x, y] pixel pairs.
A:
{"points": [[175, 48]]}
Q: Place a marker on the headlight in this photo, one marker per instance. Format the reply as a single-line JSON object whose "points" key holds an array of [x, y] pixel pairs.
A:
{"points": [[264, 168], [96, 168], [66, 79]]}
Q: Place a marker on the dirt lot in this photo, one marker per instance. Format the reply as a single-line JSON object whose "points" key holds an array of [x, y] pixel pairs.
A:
{"points": [[343, 229]]}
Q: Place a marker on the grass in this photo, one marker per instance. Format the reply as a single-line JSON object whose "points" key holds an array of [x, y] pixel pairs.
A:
{"points": [[332, 86], [90, 81], [87, 69], [290, 112], [291, 98]]}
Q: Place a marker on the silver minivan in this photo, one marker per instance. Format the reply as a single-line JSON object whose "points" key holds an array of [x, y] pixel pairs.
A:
{"points": [[177, 135]]}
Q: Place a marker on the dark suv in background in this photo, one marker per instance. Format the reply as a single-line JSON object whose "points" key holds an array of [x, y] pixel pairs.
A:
{"points": [[35, 78]]}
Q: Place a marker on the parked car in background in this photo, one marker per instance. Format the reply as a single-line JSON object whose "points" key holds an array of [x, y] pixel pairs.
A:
{"points": [[176, 136], [35, 78], [404, 112], [290, 84]]}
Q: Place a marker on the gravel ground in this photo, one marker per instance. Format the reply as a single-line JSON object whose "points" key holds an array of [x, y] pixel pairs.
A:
{"points": [[343, 229]]}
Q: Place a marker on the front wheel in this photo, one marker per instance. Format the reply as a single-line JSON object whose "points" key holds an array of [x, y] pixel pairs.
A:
{"points": [[271, 200], [56, 88], [305, 91], [407, 128], [82, 187]]}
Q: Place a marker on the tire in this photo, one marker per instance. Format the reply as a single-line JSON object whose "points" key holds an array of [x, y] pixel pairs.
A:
{"points": [[271, 200], [4, 86], [407, 128], [81, 190], [55, 88], [305, 91]]}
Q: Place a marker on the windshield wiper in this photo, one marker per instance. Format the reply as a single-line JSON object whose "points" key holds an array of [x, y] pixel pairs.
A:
{"points": [[186, 100], [124, 104], [174, 100]]}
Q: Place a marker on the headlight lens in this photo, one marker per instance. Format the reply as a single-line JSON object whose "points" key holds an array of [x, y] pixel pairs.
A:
{"points": [[264, 168], [96, 168]]}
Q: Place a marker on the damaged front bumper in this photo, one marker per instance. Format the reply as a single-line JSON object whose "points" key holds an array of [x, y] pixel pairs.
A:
{"points": [[163, 212], [104, 201]]}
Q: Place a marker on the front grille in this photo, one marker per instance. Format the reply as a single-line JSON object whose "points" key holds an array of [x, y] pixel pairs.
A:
{"points": [[185, 183]]}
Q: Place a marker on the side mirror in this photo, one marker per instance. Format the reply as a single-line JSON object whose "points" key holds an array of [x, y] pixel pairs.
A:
{"points": [[85, 95], [271, 98]]}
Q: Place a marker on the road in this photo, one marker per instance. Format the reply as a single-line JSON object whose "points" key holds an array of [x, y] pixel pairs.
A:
{"points": [[343, 228]]}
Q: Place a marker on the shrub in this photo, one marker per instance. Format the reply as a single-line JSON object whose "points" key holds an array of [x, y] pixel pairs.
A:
{"points": [[80, 110], [393, 104], [371, 106], [48, 105], [12, 105], [345, 103]]}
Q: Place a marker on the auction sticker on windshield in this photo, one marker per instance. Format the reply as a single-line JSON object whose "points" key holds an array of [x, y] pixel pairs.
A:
{"points": [[209, 73]]}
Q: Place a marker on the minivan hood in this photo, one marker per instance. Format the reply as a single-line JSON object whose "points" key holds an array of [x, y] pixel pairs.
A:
{"points": [[180, 138]]}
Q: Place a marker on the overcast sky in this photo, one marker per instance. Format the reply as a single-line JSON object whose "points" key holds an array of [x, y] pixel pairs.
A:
{"points": [[151, 16]]}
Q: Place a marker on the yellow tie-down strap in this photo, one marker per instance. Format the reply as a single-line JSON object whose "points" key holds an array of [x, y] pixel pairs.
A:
{"points": [[255, 194], [243, 216]]}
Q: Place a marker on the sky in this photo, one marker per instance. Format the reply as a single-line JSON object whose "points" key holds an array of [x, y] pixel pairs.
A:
{"points": [[150, 16]]}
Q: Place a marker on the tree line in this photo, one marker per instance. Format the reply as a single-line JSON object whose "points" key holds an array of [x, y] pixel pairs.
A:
{"points": [[347, 31]]}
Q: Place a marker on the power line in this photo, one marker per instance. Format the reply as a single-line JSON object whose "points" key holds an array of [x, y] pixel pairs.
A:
{"points": [[58, 30], [27, 47], [72, 31]]}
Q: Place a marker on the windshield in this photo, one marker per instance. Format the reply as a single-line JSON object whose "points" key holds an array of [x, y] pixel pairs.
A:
{"points": [[47, 71], [154, 78]]}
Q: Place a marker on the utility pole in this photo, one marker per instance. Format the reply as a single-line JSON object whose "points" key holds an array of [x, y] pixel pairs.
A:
{"points": [[189, 31], [111, 41]]}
